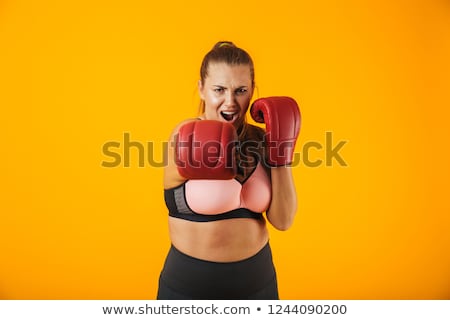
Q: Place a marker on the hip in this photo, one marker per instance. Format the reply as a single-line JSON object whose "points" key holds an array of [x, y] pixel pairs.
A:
{"points": [[186, 277]]}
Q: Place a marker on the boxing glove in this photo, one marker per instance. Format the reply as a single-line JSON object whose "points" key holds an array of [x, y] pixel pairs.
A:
{"points": [[282, 118], [205, 149]]}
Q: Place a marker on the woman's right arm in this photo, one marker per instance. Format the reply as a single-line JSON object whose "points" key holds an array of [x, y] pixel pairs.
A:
{"points": [[204, 152], [171, 176]]}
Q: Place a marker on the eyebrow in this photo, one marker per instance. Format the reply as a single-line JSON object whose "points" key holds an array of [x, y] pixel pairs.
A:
{"points": [[221, 86]]}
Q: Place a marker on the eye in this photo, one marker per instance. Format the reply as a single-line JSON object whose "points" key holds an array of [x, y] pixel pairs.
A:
{"points": [[241, 91], [218, 90]]}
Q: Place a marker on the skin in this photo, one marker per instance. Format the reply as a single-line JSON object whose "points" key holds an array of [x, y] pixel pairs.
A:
{"points": [[229, 88], [226, 89]]}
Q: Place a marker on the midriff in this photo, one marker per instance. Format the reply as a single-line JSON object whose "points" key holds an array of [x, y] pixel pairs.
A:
{"points": [[219, 241]]}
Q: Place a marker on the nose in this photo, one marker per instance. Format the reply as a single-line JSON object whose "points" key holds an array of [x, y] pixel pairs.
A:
{"points": [[230, 99]]}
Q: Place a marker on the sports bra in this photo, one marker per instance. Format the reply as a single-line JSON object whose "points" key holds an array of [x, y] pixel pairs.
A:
{"points": [[205, 200]]}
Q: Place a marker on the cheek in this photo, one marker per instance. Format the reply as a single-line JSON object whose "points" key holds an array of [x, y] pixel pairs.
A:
{"points": [[212, 102]]}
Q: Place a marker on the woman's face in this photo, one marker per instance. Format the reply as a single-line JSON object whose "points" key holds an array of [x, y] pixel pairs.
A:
{"points": [[227, 91]]}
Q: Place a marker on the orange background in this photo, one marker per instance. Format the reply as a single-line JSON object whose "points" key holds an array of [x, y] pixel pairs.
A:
{"points": [[77, 74]]}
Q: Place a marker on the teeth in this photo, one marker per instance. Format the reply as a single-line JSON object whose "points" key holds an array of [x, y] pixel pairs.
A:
{"points": [[228, 115]]}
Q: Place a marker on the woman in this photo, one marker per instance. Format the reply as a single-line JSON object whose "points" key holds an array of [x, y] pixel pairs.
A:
{"points": [[220, 243]]}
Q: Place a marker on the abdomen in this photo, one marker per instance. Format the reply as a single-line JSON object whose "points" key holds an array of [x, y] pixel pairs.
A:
{"points": [[221, 241]]}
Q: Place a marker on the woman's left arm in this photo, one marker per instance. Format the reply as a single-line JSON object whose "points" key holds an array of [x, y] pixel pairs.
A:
{"points": [[283, 206], [282, 118]]}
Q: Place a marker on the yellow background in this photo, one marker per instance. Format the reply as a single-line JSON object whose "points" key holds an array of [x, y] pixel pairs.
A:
{"points": [[77, 74]]}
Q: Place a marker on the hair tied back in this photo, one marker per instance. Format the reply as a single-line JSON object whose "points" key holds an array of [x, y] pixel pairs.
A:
{"points": [[225, 44]]}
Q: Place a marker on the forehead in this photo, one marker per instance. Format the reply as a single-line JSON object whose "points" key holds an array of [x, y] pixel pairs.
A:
{"points": [[225, 74]]}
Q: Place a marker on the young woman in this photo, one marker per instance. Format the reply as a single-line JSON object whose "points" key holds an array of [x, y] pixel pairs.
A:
{"points": [[222, 175]]}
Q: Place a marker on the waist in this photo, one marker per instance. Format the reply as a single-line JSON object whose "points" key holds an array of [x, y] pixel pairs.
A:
{"points": [[220, 241]]}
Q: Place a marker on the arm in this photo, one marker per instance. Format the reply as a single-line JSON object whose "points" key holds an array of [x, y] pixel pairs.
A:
{"points": [[282, 118], [171, 176], [283, 206], [200, 149]]}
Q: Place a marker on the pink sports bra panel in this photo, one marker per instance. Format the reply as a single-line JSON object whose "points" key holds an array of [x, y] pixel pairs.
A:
{"points": [[218, 196]]}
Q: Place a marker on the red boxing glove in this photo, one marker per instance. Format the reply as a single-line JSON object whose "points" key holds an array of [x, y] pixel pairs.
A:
{"points": [[282, 118], [205, 150]]}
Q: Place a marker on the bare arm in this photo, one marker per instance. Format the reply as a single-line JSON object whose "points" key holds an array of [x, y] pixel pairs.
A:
{"points": [[171, 176], [283, 207]]}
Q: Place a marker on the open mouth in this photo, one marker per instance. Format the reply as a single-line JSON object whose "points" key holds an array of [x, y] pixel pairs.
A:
{"points": [[229, 115]]}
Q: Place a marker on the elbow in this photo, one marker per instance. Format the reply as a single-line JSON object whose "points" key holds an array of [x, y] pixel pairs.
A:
{"points": [[282, 226], [281, 223], [281, 215]]}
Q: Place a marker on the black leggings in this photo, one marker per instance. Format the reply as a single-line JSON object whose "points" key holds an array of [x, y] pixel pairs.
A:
{"points": [[186, 278]]}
